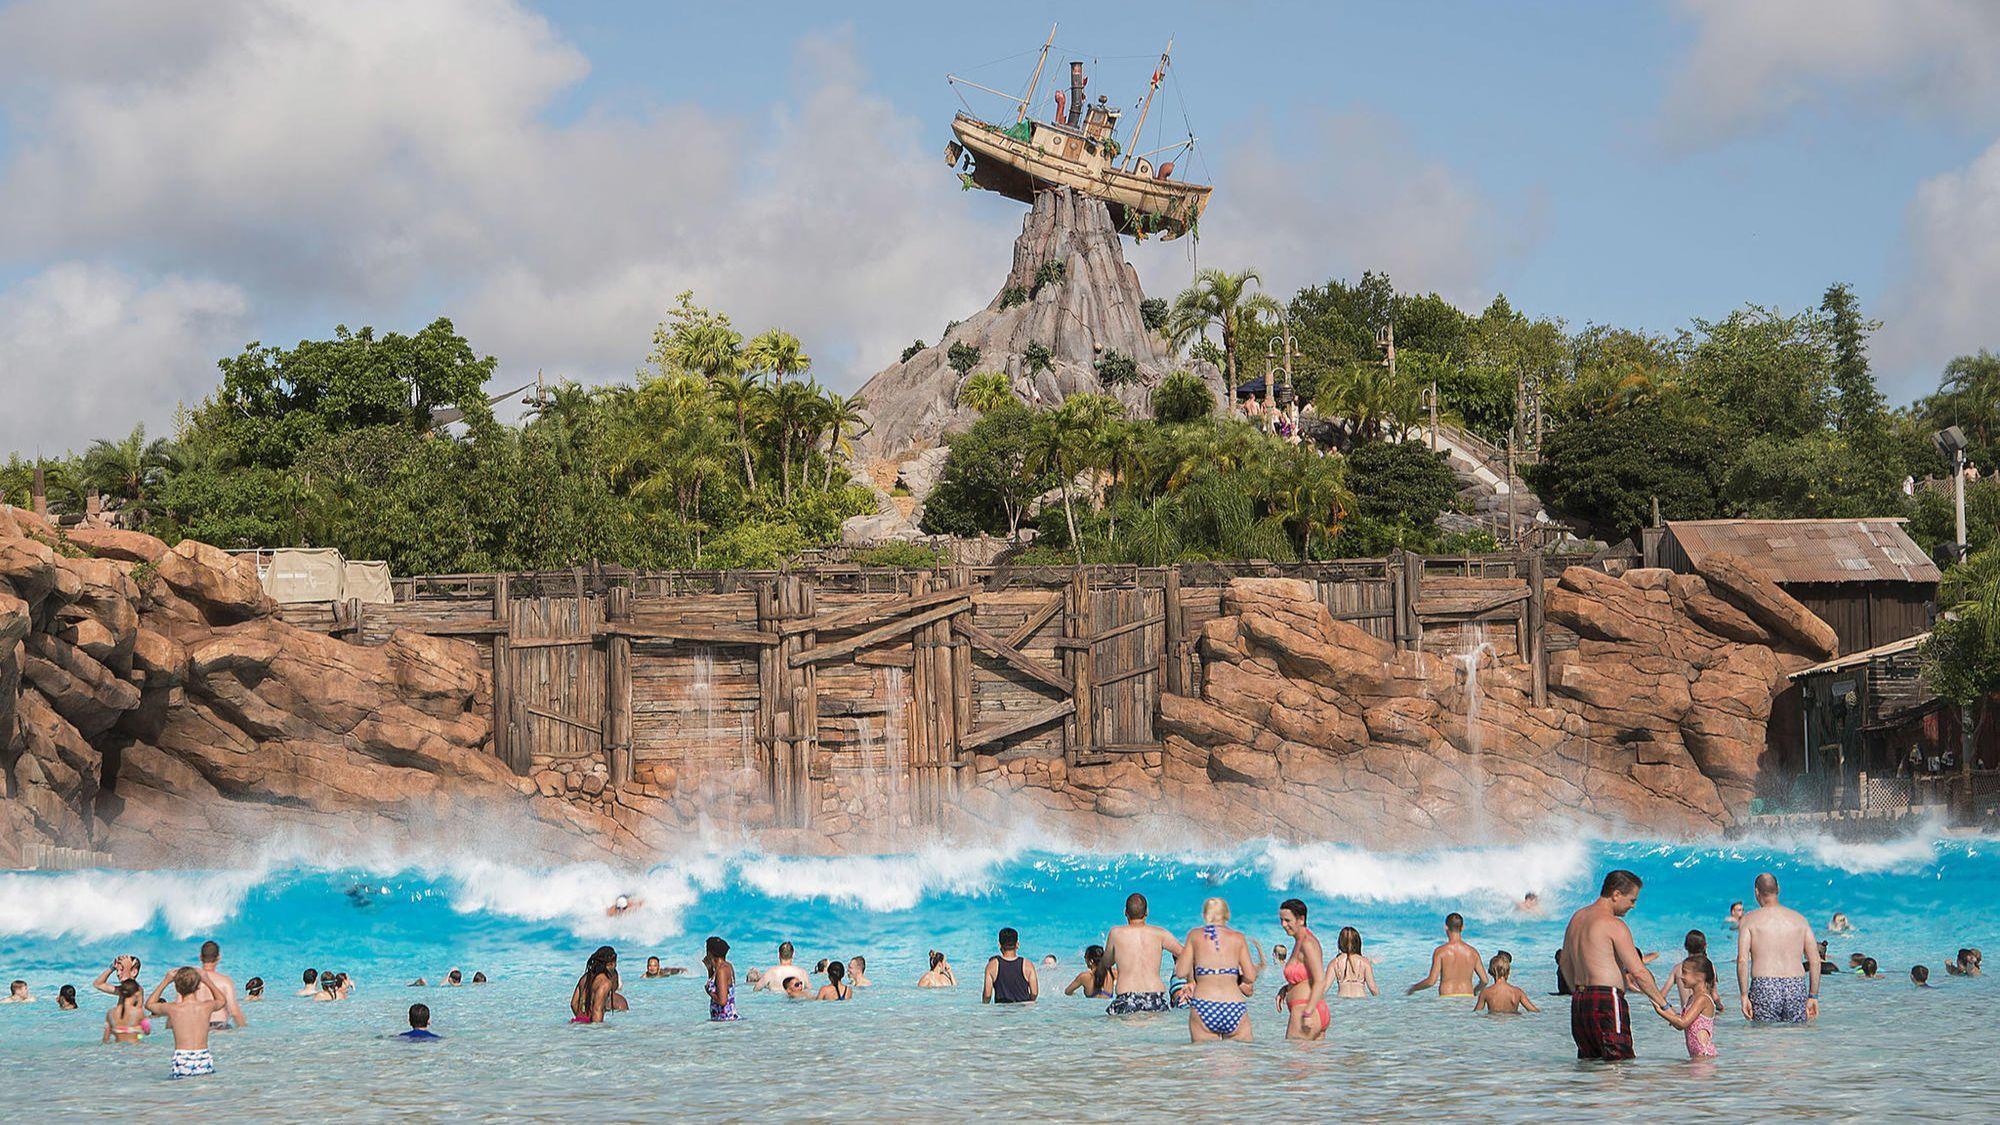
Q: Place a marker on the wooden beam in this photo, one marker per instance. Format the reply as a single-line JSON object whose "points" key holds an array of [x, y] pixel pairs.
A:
{"points": [[820, 653], [546, 714], [480, 628], [618, 690], [861, 615], [696, 634], [552, 642], [1131, 747], [1482, 606], [850, 708], [1127, 674], [1117, 631], [1035, 621], [505, 746], [1012, 727], [886, 659], [1014, 657]]}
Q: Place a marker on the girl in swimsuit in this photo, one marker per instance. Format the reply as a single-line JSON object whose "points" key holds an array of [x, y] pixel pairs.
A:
{"points": [[1217, 959], [721, 986], [1697, 1015], [1086, 980], [940, 974], [125, 1022], [833, 989], [1353, 975], [591, 997]]}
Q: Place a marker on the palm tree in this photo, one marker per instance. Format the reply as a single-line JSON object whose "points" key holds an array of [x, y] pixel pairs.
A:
{"points": [[777, 352], [707, 350], [739, 397], [1062, 442], [986, 391], [844, 421], [790, 411], [1219, 299], [671, 445], [1116, 445], [129, 468]]}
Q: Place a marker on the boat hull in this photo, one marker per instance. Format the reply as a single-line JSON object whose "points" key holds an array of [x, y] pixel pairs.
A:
{"points": [[1051, 157]]}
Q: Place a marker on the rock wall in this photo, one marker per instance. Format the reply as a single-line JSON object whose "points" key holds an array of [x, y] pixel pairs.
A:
{"points": [[153, 705], [1310, 728], [1094, 310]]}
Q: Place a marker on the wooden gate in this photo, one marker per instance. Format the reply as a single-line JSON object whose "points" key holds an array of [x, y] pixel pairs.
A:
{"points": [[556, 680]]}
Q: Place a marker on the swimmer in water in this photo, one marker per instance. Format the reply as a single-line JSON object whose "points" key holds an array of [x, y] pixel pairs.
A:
{"points": [[834, 989], [419, 983], [795, 988], [591, 998], [1920, 976], [721, 984], [253, 989], [1735, 914], [1840, 924], [773, 979], [66, 998], [857, 972], [453, 979], [939, 975], [1501, 997], [126, 1022], [623, 904], [191, 1017], [420, 1024], [1304, 994], [1217, 959], [125, 967], [1698, 1006], [1531, 903], [1092, 956], [1454, 964], [312, 985], [17, 993], [479, 978], [1353, 973]]}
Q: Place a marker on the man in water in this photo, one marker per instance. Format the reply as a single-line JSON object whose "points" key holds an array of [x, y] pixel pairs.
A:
{"points": [[1777, 960], [220, 988], [622, 904], [1454, 964], [420, 1024], [773, 979], [312, 984], [1600, 962], [857, 972], [1134, 950], [1010, 978], [17, 993], [1735, 914]]}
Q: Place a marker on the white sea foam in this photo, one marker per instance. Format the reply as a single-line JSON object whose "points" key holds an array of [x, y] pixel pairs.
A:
{"points": [[92, 905], [577, 896], [896, 882], [1498, 873]]}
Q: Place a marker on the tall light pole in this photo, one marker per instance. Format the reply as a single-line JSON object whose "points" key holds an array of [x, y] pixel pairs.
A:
{"points": [[1950, 441], [1280, 349]]}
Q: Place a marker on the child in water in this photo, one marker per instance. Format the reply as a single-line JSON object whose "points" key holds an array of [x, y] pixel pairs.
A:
{"points": [[126, 1022], [1697, 1015], [1920, 976], [1092, 954], [1502, 997], [188, 1017]]}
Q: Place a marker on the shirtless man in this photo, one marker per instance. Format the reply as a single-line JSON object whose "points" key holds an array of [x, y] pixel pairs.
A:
{"points": [[1777, 960], [774, 978], [1600, 962], [190, 1017], [1454, 964], [1133, 952], [215, 986]]}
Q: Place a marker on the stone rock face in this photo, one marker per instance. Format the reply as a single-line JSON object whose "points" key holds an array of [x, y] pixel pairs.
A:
{"points": [[182, 720], [1094, 310], [1311, 728]]}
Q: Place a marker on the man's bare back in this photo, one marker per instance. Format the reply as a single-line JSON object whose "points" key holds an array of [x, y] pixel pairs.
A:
{"points": [[1777, 960], [1454, 965], [1134, 948], [1778, 939]]}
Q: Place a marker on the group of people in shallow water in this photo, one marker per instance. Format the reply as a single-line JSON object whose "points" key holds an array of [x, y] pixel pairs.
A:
{"points": [[1214, 970]]}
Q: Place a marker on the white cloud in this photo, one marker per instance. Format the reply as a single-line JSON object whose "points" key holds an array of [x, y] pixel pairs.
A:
{"points": [[1753, 63], [85, 351], [378, 161], [1944, 299], [1349, 193]]}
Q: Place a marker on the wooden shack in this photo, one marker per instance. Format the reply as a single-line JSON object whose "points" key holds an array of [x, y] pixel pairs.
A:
{"points": [[1866, 578]]}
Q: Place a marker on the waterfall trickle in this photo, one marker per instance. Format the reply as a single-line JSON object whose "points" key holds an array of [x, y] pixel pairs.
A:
{"points": [[1476, 647]]}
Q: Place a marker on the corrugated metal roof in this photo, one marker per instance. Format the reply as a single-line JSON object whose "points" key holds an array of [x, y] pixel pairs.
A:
{"points": [[1875, 550]]}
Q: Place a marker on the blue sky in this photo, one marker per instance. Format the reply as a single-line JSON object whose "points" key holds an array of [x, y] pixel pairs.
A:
{"points": [[550, 175]]}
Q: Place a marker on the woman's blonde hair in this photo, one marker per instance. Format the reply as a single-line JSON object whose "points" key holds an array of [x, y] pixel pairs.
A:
{"points": [[1215, 910]]}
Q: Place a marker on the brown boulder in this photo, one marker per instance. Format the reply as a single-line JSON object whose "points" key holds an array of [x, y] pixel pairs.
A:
{"points": [[117, 543], [224, 587], [1757, 593]]}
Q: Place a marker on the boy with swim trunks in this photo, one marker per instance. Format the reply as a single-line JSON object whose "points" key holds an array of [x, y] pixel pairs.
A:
{"points": [[188, 1017]]}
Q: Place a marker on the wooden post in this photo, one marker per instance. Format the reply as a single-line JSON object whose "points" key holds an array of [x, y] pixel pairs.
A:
{"points": [[805, 713], [923, 741], [1413, 588], [506, 736], [1173, 658], [1538, 655], [961, 694], [618, 689], [1080, 666], [769, 680]]}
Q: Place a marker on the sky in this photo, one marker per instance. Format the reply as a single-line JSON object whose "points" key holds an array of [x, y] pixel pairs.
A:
{"points": [[177, 181]]}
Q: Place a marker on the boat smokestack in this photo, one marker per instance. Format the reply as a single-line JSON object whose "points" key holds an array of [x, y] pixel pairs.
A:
{"points": [[1076, 84]]}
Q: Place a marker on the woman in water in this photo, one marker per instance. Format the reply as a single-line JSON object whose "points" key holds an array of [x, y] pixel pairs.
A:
{"points": [[833, 989], [939, 975], [126, 1021], [721, 985], [1217, 959], [591, 997], [1353, 974], [66, 998], [1697, 1015], [1304, 994], [1092, 954]]}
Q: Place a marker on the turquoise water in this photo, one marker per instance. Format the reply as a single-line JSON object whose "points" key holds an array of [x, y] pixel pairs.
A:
{"points": [[1880, 1048]]}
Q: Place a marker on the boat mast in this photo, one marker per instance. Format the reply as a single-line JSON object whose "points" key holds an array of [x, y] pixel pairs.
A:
{"points": [[1159, 75], [1036, 81]]}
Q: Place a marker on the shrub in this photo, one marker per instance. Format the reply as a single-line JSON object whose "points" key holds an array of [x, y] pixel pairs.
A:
{"points": [[1117, 368], [963, 357], [1013, 295], [913, 349], [1182, 397], [1052, 272], [1153, 312], [1038, 357]]}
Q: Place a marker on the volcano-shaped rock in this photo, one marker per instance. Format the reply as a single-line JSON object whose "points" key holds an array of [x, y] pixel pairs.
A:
{"points": [[1091, 311]]}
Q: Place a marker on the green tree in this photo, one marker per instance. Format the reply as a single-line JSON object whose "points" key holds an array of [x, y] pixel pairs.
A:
{"points": [[130, 469], [1606, 472], [1859, 405], [1221, 300], [779, 353], [988, 481], [986, 391], [1182, 397]]}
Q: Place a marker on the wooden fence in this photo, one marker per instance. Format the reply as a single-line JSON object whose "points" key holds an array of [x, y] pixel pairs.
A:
{"points": [[788, 685]]}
